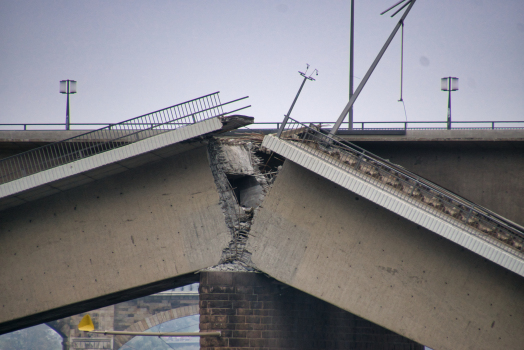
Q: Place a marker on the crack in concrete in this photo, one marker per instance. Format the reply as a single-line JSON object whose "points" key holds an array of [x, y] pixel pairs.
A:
{"points": [[235, 161]]}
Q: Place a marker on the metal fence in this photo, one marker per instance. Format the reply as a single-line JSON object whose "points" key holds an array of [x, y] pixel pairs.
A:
{"points": [[402, 183], [435, 125], [112, 136]]}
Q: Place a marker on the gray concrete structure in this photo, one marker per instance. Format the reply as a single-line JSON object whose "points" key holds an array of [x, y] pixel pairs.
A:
{"points": [[110, 239], [137, 232], [484, 166], [92, 156], [478, 135], [78, 171], [322, 239], [15, 141], [432, 209]]}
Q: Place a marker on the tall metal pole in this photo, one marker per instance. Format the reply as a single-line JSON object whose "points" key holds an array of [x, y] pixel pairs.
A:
{"points": [[401, 62], [67, 107], [67, 87], [449, 103], [351, 47], [370, 70], [291, 108]]}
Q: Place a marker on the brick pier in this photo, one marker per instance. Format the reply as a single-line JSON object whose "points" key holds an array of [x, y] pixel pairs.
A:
{"points": [[257, 312]]}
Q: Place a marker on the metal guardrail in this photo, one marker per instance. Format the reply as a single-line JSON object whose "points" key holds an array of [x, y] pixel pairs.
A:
{"points": [[416, 125], [376, 125], [402, 183], [112, 136], [436, 125]]}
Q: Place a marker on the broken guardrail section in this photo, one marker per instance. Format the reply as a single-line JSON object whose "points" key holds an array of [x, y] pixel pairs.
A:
{"points": [[112, 136], [42, 169], [403, 192]]}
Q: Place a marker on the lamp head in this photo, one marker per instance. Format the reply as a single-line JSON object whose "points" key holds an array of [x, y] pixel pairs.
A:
{"points": [[445, 84], [64, 88]]}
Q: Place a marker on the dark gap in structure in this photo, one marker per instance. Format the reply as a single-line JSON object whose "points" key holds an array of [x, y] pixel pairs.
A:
{"points": [[247, 190], [244, 172]]}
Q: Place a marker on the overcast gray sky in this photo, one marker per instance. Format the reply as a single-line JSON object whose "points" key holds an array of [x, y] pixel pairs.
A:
{"points": [[132, 57]]}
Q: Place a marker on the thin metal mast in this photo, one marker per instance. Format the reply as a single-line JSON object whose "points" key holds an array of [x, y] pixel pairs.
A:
{"points": [[370, 71], [67, 107], [401, 63], [449, 104], [351, 54], [284, 122]]}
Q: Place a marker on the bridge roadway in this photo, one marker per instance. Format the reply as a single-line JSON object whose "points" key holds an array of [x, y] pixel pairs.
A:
{"points": [[146, 229]]}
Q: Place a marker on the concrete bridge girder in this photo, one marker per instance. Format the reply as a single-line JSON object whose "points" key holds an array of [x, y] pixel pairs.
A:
{"points": [[106, 240], [322, 239]]}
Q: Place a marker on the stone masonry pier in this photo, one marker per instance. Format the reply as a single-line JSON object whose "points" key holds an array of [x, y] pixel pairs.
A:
{"points": [[254, 312]]}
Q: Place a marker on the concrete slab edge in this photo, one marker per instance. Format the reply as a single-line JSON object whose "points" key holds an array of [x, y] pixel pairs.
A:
{"points": [[396, 204], [112, 156]]}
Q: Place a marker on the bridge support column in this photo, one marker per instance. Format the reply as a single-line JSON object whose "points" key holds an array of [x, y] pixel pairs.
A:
{"points": [[254, 311]]}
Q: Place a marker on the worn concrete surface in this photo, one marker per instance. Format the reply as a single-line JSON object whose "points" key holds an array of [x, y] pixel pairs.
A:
{"points": [[445, 135], [38, 135], [16, 141], [486, 173], [482, 165], [315, 236], [148, 224]]}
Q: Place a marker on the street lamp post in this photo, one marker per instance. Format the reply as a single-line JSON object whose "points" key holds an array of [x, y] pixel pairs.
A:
{"points": [[449, 84], [67, 87]]}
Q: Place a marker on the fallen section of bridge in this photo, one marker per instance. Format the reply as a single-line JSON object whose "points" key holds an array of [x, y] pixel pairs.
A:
{"points": [[118, 147], [380, 242], [404, 193]]}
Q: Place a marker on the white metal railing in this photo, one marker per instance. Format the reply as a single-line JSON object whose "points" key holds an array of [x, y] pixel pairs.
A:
{"points": [[111, 137]]}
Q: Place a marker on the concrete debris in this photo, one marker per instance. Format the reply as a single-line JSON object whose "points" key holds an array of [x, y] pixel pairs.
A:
{"points": [[231, 267], [243, 180], [227, 199], [237, 159]]}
